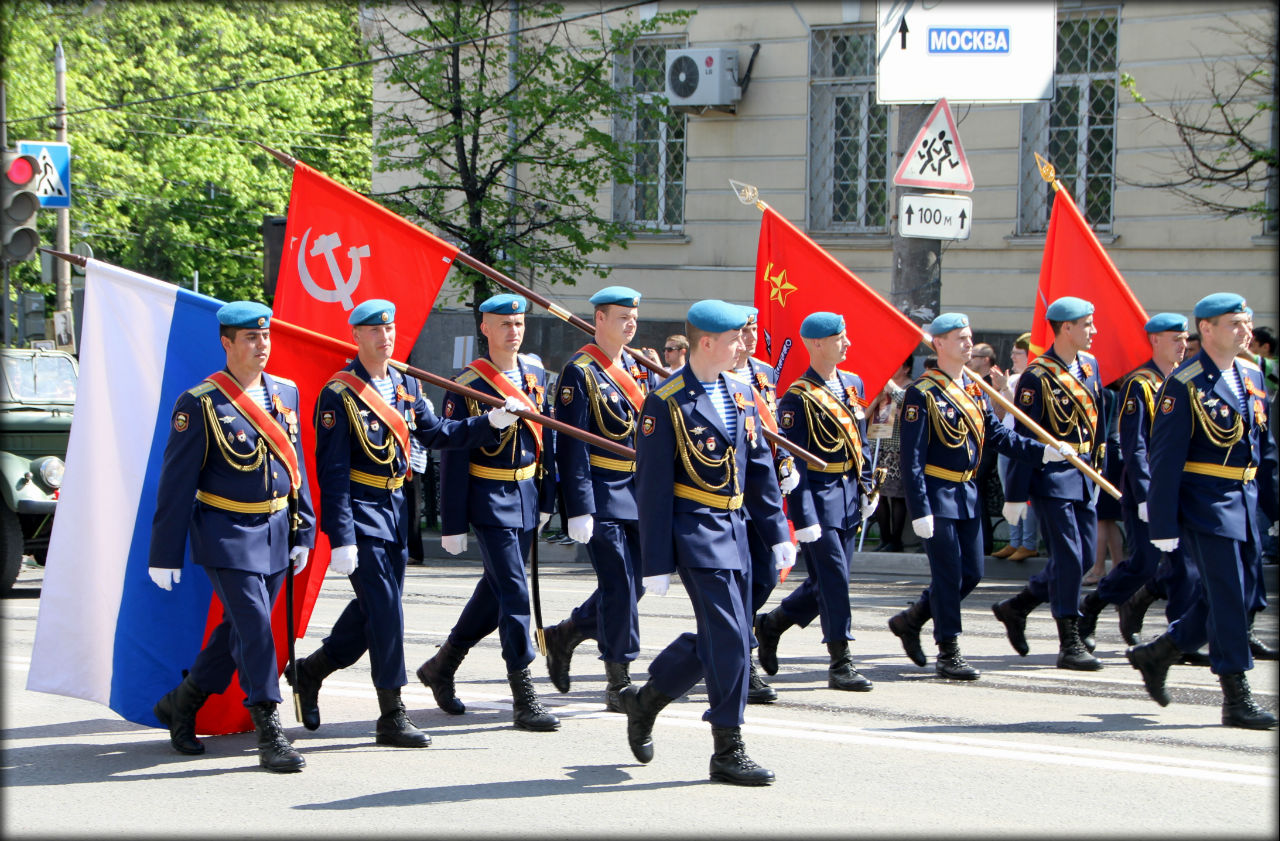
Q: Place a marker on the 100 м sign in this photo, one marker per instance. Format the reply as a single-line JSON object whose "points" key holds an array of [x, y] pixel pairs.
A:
{"points": [[934, 216]]}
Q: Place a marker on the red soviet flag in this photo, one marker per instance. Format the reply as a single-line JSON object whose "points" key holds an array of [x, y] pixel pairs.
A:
{"points": [[1075, 263], [796, 277]]}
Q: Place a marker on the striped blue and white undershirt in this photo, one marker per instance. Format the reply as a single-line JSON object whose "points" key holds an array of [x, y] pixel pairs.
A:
{"points": [[723, 401]]}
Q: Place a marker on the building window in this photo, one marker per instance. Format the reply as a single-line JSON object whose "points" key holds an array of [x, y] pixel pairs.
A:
{"points": [[848, 134], [1076, 131], [654, 201]]}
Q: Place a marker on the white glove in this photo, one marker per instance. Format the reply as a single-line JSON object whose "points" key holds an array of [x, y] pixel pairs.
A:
{"points": [[164, 577], [923, 526], [581, 527], [1165, 544], [784, 555], [1142, 512], [1014, 512], [504, 417], [1274, 531], [343, 559], [657, 584], [808, 534], [869, 507], [298, 555], [454, 544], [543, 519], [789, 482], [1057, 452]]}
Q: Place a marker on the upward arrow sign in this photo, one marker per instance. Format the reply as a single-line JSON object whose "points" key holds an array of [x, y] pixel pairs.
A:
{"points": [[902, 32]]}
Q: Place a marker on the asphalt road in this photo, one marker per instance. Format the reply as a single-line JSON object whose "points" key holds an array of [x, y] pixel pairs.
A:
{"points": [[1027, 750]]}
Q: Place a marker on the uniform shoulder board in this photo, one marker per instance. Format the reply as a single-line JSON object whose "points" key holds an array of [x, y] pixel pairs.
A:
{"points": [[527, 359], [337, 387], [924, 385], [581, 360], [466, 377], [1188, 373], [284, 380], [670, 387], [1248, 363], [737, 378], [202, 389]]}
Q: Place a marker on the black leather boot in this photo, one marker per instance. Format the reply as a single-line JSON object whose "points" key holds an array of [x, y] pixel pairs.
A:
{"points": [[841, 674], [1132, 611], [768, 629], [394, 727], [526, 710], [274, 751], [312, 670], [561, 640], [730, 763], [177, 711], [1071, 651], [641, 705], [617, 676], [437, 674], [1259, 649], [951, 663], [1153, 660], [758, 691], [1090, 607], [1013, 612], [1238, 706], [907, 625]]}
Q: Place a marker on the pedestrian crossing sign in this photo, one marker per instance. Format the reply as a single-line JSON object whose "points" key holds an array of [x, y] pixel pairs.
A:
{"points": [[53, 171]]}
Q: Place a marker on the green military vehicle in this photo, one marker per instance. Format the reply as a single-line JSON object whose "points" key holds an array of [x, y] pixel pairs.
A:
{"points": [[37, 396]]}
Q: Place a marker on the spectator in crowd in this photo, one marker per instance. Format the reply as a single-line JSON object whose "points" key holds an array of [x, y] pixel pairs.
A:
{"points": [[1024, 535], [674, 352], [989, 492], [886, 409]]}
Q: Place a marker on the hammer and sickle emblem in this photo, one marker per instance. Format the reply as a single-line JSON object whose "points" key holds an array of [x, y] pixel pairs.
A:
{"points": [[343, 288]]}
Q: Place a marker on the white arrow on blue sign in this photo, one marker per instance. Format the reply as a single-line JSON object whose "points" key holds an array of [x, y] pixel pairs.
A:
{"points": [[53, 171]]}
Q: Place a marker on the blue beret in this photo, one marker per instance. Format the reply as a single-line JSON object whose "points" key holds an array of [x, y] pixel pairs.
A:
{"points": [[1165, 321], [820, 325], [1220, 303], [373, 311], [752, 313], [1068, 308], [249, 314], [505, 303], [947, 322], [716, 316], [621, 295]]}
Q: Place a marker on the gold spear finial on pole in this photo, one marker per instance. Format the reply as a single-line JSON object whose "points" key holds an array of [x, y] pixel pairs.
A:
{"points": [[1047, 172], [748, 194]]}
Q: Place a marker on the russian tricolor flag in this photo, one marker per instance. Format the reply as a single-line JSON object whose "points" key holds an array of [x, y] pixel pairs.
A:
{"points": [[105, 632]]}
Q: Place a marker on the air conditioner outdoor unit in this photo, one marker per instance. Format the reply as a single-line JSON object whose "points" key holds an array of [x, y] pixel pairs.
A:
{"points": [[702, 79]]}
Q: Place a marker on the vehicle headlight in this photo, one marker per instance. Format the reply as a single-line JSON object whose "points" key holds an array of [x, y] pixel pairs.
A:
{"points": [[51, 470]]}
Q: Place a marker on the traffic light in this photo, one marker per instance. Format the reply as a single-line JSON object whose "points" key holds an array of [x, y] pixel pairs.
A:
{"points": [[20, 207]]}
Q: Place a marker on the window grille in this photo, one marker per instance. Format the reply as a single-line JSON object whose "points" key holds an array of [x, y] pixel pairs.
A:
{"points": [[654, 201]]}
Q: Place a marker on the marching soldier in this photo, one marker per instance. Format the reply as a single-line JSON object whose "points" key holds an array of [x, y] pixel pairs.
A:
{"points": [[946, 420], [1133, 584], [495, 492], [601, 391], [764, 574], [232, 471], [364, 418], [1062, 392], [700, 459], [822, 411], [1213, 463]]}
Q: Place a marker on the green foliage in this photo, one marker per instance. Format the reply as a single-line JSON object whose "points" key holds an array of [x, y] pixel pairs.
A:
{"points": [[170, 187], [460, 127]]}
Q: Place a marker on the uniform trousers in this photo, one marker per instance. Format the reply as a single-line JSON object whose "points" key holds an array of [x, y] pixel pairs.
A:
{"points": [[1220, 617], [718, 653], [825, 592], [374, 620], [1070, 530], [501, 599], [609, 615], [242, 641], [955, 568]]}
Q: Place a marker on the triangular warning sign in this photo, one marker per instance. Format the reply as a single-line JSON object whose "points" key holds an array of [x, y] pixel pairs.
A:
{"points": [[48, 181], [936, 159]]}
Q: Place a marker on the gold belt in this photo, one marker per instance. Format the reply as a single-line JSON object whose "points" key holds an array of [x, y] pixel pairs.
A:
{"points": [[268, 506], [389, 483], [949, 475], [1082, 448], [833, 467], [1240, 474], [499, 474], [724, 503], [622, 465]]}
